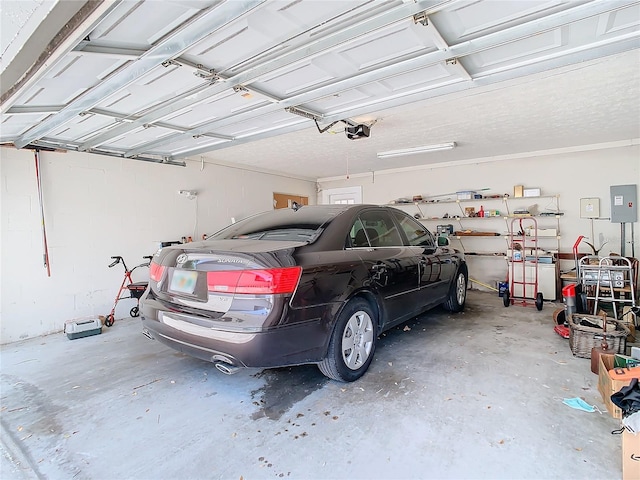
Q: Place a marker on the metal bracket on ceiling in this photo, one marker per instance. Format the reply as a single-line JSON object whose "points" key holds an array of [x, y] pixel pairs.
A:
{"points": [[206, 73], [242, 90], [170, 63], [303, 113], [421, 18], [457, 68]]}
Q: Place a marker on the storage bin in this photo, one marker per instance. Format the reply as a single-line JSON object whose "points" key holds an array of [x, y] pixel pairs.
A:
{"points": [[465, 195]]}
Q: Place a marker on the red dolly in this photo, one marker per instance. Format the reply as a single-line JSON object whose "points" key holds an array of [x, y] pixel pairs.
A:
{"points": [[527, 265], [136, 289]]}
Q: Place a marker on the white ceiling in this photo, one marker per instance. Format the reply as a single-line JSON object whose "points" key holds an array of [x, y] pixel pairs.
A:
{"points": [[181, 79]]}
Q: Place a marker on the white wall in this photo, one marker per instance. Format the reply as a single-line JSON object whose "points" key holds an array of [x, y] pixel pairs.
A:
{"points": [[572, 175], [96, 207]]}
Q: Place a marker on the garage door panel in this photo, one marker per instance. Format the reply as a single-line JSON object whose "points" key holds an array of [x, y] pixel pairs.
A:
{"points": [[428, 76], [83, 126], [193, 116], [137, 22], [386, 45], [331, 103], [581, 35], [234, 102], [259, 124], [14, 125], [72, 77], [139, 137], [626, 20], [273, 28], [298, 79], [469, 20], [161, 84], [434, 75], [370, 51], [504, 55], [186, 144]]}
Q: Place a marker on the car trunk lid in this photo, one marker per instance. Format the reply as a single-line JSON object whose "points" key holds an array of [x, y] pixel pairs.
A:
{"points": [[208, 275]]}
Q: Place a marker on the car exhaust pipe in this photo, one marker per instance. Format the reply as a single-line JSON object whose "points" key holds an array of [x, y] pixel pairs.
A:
{"points": [[147, 334], [226, 368]]}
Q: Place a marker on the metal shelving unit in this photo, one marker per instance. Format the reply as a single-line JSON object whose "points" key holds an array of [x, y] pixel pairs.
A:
{"points": [[473, 234], [506, 213]]}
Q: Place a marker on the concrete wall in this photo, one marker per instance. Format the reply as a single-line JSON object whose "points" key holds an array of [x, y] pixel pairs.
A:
{"points": [[571, 174], [96, 207]]}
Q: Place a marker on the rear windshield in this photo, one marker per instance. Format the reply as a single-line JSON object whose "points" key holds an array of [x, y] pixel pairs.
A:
{"points": [[304, 225]]}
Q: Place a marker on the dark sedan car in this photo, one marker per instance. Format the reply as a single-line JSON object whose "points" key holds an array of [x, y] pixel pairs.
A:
{"points": [[290, 287]]}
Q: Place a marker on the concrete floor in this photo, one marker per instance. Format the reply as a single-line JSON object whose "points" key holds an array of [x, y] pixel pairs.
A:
{"points": [[475, 395]]}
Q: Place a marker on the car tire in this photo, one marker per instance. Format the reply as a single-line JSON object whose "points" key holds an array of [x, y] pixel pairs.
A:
{"points": [[352, 344], [458, 292]]}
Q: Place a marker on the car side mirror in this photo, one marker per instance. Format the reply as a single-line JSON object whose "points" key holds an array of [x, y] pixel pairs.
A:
{"points": [[443, 241]]}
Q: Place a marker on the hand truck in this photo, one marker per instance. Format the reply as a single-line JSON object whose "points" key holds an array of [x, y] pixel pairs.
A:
{"points": [[135, 289], [527, 265]]}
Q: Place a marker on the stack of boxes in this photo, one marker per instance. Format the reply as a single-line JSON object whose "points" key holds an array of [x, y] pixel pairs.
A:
{"points": [[610, 380]]}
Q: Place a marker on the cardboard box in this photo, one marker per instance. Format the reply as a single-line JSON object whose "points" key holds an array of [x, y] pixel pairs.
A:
{"points": [[531, 192], [465, 195], [608, 386], [518, 191], [630, 456]]}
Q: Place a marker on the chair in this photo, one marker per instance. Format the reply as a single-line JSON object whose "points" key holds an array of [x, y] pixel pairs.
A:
{"points": [[374, 239], [360, 240]]}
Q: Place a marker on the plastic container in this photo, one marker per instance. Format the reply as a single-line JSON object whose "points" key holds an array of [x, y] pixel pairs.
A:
{"points": [[83, 327]]}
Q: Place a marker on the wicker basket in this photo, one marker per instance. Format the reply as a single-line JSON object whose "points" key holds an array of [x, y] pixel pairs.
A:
{"points": [[582, 339]]}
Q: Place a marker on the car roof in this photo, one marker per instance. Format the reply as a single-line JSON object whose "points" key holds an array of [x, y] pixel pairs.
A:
{"points": [[315, 224]]}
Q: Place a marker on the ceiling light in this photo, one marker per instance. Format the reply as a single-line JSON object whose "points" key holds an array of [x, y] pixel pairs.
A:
{"points": [[415, 150]]}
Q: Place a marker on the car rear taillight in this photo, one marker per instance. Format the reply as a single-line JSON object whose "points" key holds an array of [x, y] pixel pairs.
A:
{"points": [[267, 281], [155, 271]]}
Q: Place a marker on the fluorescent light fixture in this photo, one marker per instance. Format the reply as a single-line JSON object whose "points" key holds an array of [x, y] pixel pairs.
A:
{"points": [[416, 150]]}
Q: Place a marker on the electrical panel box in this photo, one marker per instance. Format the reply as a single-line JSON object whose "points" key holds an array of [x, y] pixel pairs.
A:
{"points": [[624, 203]]}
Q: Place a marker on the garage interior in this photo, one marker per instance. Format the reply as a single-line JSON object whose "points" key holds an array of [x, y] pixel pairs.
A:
{"points": [[154, 123]]}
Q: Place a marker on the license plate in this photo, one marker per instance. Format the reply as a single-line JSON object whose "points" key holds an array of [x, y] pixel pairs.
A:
{"points": [[183, 281]]}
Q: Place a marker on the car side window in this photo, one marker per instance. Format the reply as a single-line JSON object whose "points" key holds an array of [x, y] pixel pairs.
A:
{"points": [[380, 229], [357, 235], [417, 234]]}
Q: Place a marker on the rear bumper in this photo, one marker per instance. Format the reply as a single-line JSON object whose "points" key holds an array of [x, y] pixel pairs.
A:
{"points": [[301, 341]]}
